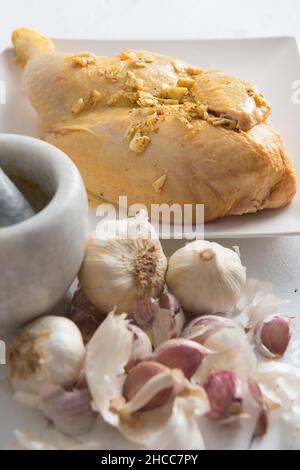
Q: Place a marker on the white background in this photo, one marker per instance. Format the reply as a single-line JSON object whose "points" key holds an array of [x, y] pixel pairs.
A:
{"points": [[276, 260]]}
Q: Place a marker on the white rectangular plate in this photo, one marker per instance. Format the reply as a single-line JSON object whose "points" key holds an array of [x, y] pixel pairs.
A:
{"points": [[272, 64]]}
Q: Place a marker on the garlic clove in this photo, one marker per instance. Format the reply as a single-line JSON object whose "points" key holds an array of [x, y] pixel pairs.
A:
{"points": [[206, 277], [272, 336], [181, 354], [168, 301], [224, 391], [69, 411], [161, 319], [48, 350], [201, 328], [139, 376], [144, 311], [141, 346]]}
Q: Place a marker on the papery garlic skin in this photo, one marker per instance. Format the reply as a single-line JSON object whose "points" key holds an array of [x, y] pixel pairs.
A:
{"points": [[201, 328], [69, 411], [224, 391], [181, 354], [161, 318], [119, 272], [85, 315], [232, 352], [206, 278], [139, 376], [262, 422], [272, 336], [49, 350], [171, 426]]}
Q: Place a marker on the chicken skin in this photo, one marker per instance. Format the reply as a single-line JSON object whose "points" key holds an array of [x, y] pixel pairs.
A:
{"points": [[158, 130]]}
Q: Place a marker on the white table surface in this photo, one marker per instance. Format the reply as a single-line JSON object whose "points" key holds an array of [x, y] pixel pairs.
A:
{"points": [[277, 259]]}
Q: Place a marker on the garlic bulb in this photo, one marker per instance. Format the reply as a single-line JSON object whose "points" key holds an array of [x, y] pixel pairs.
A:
{"points": [[224, 391], [206, 278], [272, 335], [49, 350], [119, 271], [181, 354]]}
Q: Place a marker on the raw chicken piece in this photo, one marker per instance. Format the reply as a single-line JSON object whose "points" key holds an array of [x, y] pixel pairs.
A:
{"points": [[158, 130]]}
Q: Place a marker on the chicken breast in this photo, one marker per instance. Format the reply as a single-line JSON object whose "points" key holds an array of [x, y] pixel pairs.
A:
{"points": [[158, 130]]}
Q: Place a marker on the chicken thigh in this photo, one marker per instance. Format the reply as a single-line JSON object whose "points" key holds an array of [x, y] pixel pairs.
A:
{"points": [[158, 130]]}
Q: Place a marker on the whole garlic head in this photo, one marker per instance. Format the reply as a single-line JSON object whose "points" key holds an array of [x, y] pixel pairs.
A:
{"points": [[118, 271], [49, 350], [206, 278]]}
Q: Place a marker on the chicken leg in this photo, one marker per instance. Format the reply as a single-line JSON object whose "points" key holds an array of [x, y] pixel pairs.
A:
{"points": [[158, 130]]}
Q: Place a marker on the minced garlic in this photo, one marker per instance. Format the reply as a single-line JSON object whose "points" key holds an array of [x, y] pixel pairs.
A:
{"points": [[139, 143], [126, 55], [159, 183], [218, 121], [193, 70], [177, 66], [83, 59], [78, 106], [174, 92], [131, 131], [94, 98], [131, 96], [168, 101], [146, 99], [187, 82], [202, 110], [112, 73], [115, 97], [133, 82]]}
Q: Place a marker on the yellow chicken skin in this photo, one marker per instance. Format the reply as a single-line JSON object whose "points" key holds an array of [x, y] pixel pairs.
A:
{"points": [[158, 130]]}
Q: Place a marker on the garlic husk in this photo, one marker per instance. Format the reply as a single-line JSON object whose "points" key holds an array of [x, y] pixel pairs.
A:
{"points": [[262, 421], [272, 336], [232, 352], [161, 319], [280, 383], [85, 315], [201, 328], [224, 391], [257, 302], [206, 278], [117, 272], [51, 439], [171, 426], [49, 350], [108, 353], [69, 411], [181, 354]]}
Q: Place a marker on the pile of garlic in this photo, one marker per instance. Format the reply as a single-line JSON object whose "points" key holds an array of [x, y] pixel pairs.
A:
{"points": [[197, 343]]}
